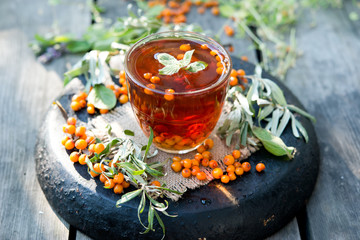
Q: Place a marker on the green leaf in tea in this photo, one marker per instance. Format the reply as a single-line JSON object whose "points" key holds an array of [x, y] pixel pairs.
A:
{"points": [[196, 66], [187, 58], [102, 97]]}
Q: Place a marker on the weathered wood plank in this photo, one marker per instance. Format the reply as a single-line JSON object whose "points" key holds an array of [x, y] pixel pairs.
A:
{"points": [[326, 79], [289, 232], [27, 89]]}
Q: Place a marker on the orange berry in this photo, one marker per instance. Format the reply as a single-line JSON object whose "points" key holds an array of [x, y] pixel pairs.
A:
{"points": [[185, 47], [230, 168], [122, 81], [180, 56], [233, 81], [246, 166], [71, 121], [69, 144], [82, 159], [186, 172], [232, 176], [83, 137], [187, 163], [215, 11], [241, 72], [75, 106], [156, 183], [103, 178], [201, 10], [111, 86], [201, 176], [229, 160], [64, 140], [91, 148], [147, 75], [99, 147], [80, 131], [244, 58], [214, 52], [201, 149], [195, 170], [118, 178], [233, 73], [76, 98], [237, 164], [93, 174], [219, 70], [82, 95], [218, 58], [260, 167], [99, 167], [225, 178], [118, 189], [123, 90], [204, 46], [229, 30], [205, 162], [169, 96], [155, 79], [176, 166], [125, 184], [195, 162], [206, 154], [217, 173], [113, 164], [147, 90], [80, 144], [123, 99], [219, 64], [104, 111], [239, 171], [109, 183], [122, 74], [198, 156], [82, 103], [70, 129], [74, 156], [209, 143], [236, 154], [90, 110], [90, 139], [176, 159], [213, 164]]}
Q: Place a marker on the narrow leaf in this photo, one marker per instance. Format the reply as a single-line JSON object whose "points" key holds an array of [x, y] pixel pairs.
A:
{"points": [[302, 130], [276, 92], [302, 112], [293, 126], [275, 121], [129, 133], [187, 58], [128, 196], [196, 66], [283, 123], [149, 144], [264, 112], [160, 223]]}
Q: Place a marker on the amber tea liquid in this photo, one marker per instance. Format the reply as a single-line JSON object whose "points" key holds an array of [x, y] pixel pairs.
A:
{"points": [[182, 108]]}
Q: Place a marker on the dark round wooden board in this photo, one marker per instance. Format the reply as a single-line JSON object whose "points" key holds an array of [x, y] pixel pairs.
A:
{"points": [[261, 203]]}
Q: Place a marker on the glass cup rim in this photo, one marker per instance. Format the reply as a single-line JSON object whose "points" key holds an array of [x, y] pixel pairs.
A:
{"points": [[160, 35]]}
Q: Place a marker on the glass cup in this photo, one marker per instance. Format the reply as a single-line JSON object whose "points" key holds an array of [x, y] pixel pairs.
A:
{"points": [[180, 120]]}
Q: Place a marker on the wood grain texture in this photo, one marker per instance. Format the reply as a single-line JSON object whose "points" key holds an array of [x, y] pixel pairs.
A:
{"points": [[27, 89], [327, 80], [289, 232]]}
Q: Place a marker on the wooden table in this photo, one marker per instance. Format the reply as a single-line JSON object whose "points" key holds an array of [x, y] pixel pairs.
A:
{"points": [[326, 79]]}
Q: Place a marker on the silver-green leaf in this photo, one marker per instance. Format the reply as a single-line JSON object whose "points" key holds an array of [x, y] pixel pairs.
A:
{"points": [[196, 66], [187, 58]]}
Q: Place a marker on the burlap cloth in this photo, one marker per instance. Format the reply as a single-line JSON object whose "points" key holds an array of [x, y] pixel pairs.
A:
{"points": [[122, 118]]}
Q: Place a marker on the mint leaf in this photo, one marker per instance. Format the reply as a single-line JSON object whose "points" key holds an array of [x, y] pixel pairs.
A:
{"points": [[169, 70], [166, 59], [196, 66], [187, 58]]}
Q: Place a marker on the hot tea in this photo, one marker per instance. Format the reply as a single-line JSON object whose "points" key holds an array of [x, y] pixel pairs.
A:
{"points": [[177, 83]]}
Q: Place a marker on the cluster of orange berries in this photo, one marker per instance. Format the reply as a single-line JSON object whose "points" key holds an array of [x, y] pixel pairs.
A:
{"points": [[85, 147], [234, 78], [191, 167]]}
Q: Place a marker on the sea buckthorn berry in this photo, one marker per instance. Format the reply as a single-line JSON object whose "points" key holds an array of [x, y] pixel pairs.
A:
{"points": [[217, 173], [123, 99], [214, 52], [246, 166], [180, 56], [176, 166], [70, 129], [186, 172], [230, 168], [229, 160], [169, 96], [109, 183], [209, 143], [232, 176], [205, 162], [236, 154], [147, 90], [76, 98], [110, 86], [99, 147], [159, 139], [176, 159], [80, 131], [218, 58], [99, 167], [75, 106], [201, 10], [155, 79], [231, 48], [198, 156], [187, 163], [241, 72], [213, 164], [239, 171], [201, 149], [84, 136], [260, 167], [237, 164], [93, 174], [195, 170], [123, 90], [122, 74], [90, 110], [219, 70], [156, 183], [80, 144], [233, 81], [103, 111], [74, 156], [182, 162], [201, 176], [225, 178], [219, 64], [69, 144], [204, 46], [233, 73], [82, 95], [244, 58], [118, 189], [82, 103], [90, 139], [82, 159], [102, 178], [195, 162], [215, 11], [185, 47], [122, 81], [125, 184], [206, 154], [91, 148], [229, 30], [71, 121], [113, 164], [64, 140], [147, 75]]}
